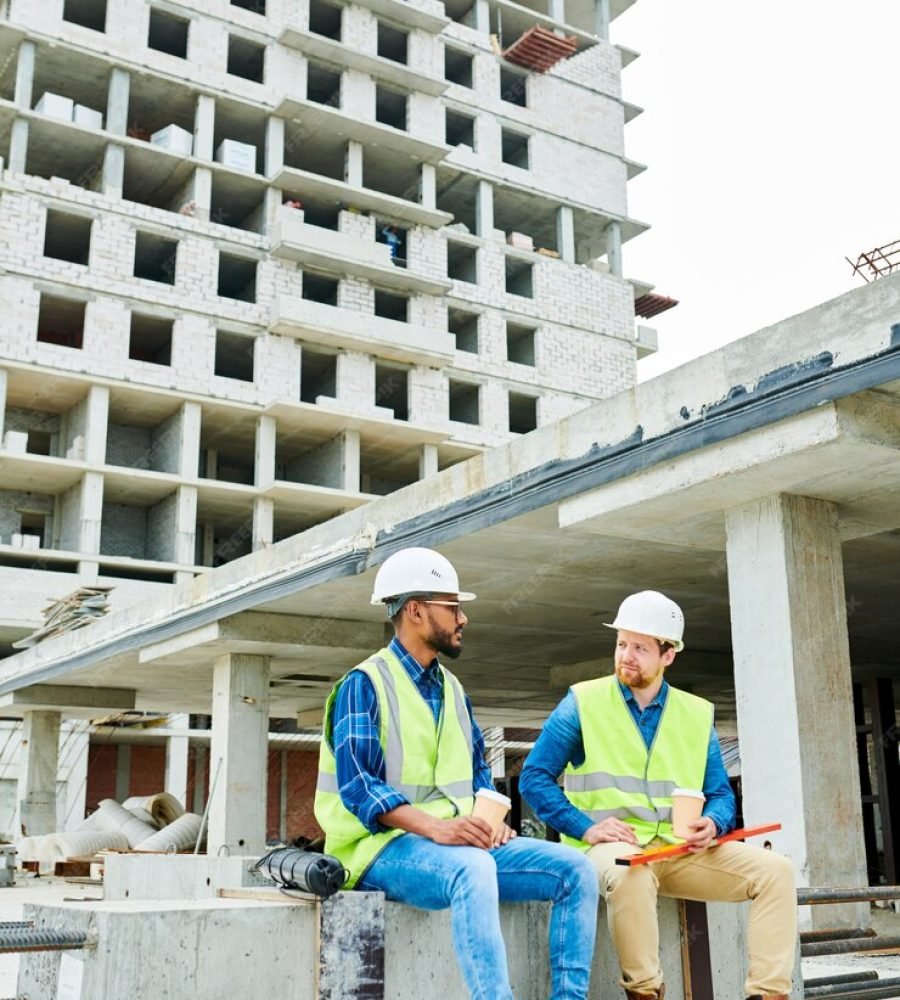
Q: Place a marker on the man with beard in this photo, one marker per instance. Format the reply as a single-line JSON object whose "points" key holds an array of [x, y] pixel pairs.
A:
{"points": [[401, 760], [625, 743]]}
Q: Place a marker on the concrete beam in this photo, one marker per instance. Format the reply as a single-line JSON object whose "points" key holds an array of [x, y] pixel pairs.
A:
{"points": [[38, 767], [177, 749], [794, 695], [238, 754], [67, 699]]}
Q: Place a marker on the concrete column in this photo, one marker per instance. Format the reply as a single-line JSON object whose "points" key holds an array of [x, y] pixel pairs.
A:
{"points": [[793, 688], [428, 461], [353, 163], [428, 186], [263, 522], [204, 127], [614, 248], [601, 19], [123, 772], [38, 766], [185, 525], [565, 233], [90, 513], [18, 146], [189, 440], [484, 209], [201, 192], [558, 10], [274, 145], [24, 95], [207, 544], [483, 16], [177, 748], [238, 754], [3, 381], [113, 170], [117, 102], [265, 451]]}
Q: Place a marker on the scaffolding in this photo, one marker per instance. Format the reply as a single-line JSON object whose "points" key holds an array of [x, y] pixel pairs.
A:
{"points": [[877, 263]]}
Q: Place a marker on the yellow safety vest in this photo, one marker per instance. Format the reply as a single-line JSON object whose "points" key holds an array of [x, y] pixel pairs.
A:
{"points": [[620, 777], [430, 764]]}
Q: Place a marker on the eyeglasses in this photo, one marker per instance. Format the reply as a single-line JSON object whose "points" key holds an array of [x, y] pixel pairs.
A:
{"points": [[453, 605]]}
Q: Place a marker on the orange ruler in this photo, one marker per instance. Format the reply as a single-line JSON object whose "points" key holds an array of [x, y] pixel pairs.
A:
{"points": [[674, 850]]}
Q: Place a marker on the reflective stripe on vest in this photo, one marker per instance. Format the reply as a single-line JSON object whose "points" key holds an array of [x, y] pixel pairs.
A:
{"points": [[620, 777], [430, 765]]}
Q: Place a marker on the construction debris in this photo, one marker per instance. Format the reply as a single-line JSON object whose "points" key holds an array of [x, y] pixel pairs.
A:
{"points": [[539, 49], [877, 263], [78, 609]]}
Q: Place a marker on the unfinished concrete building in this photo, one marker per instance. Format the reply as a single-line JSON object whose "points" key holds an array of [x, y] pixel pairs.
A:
{"points": [[264, 260]]}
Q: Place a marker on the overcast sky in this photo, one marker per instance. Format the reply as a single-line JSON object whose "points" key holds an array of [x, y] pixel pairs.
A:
{"points": [[771, 133]]}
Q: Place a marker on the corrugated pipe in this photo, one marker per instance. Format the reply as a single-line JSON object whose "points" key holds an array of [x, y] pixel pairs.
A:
{"points": [[44, 939]]}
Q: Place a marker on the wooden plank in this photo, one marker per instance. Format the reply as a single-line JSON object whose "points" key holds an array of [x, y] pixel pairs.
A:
{"points": [[675, 850], [263, 895]]}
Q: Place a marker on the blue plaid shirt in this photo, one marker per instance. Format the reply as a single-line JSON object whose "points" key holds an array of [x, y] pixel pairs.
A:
{"points": [[357, 748]]}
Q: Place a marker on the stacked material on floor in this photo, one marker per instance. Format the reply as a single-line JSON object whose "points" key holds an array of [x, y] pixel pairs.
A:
{"points": [[539, 49], [152, 823], [78, 609]]}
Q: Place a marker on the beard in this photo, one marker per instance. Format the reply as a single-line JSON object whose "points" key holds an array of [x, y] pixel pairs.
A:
{"points": [[441, 640], [635, 679]]}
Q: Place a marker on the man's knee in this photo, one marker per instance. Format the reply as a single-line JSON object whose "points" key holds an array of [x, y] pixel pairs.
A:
{"points": [[476, 868], [620, 881], [778, 871]]}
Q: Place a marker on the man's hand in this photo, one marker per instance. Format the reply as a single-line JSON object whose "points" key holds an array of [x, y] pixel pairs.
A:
{"points": [[609, 831], [504, 835], [702, 835], [468, 831]]}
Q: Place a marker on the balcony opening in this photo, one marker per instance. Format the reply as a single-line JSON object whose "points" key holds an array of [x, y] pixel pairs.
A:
{"points": [[168, 33], [34, 524], [394, 237], [459, 129], [320, 288], [393, 43], [520, 344], [457, 66], [40, 443], [88, 13], [389, 305], [246, 59], [232, 204], [67, 237], [325, 19], [325, 215], [234, 355], [323, 85], [390, 107], [61, 321], [254, 6], [522, 413], [464, 327], [462, 262], [514, 148], [519, 278], [392, 390], [464, 402], [237, 278], [513, 87], [155, 258], [150, 339], [318, 375]]}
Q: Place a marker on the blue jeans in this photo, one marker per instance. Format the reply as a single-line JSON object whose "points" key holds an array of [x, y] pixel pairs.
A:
{"points": [[472, 881]]}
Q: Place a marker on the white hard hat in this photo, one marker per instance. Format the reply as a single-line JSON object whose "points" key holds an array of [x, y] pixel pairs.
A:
{"points": [[651, 613], [415, 572]]}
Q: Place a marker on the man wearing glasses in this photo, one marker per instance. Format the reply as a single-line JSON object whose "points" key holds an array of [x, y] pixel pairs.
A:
{"points": [[400, 762]]}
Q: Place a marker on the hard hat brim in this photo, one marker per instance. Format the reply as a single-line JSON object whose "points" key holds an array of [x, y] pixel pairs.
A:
{"points": [[463, 595]]}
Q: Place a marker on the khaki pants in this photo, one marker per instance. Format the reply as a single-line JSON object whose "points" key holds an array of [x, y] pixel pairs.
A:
{"points": [[732, 873]]}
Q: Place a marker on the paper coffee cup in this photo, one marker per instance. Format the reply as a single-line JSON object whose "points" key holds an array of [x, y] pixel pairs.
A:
{"points": [[491, 806], [687, 807]]}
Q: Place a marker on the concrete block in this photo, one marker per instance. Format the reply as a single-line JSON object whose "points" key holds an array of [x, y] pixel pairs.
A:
{"points": [[175, 876], [175, 139], [55, 106], [521, 240], [16, 441], [83, 115], [239, 155]]}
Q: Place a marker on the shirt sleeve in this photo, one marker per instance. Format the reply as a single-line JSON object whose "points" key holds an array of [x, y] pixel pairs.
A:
{"points": [[481, 771], [358, 755], [720, 805], [560, 742]]}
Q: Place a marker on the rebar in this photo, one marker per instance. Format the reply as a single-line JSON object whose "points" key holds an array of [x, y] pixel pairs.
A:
{"points": [[43, 939], [846, 977], [882, 989], [861, 895], [836, 934], [848, 945]]}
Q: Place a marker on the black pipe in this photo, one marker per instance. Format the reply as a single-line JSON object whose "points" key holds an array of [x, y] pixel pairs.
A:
{"points": [[861, 895], [846, 977], [836, 934], [848, 946], [883, 989], [42, 939]]}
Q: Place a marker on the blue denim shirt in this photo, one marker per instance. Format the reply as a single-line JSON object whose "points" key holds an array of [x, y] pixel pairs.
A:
{"points": [[560, 742], [357, 748]]}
